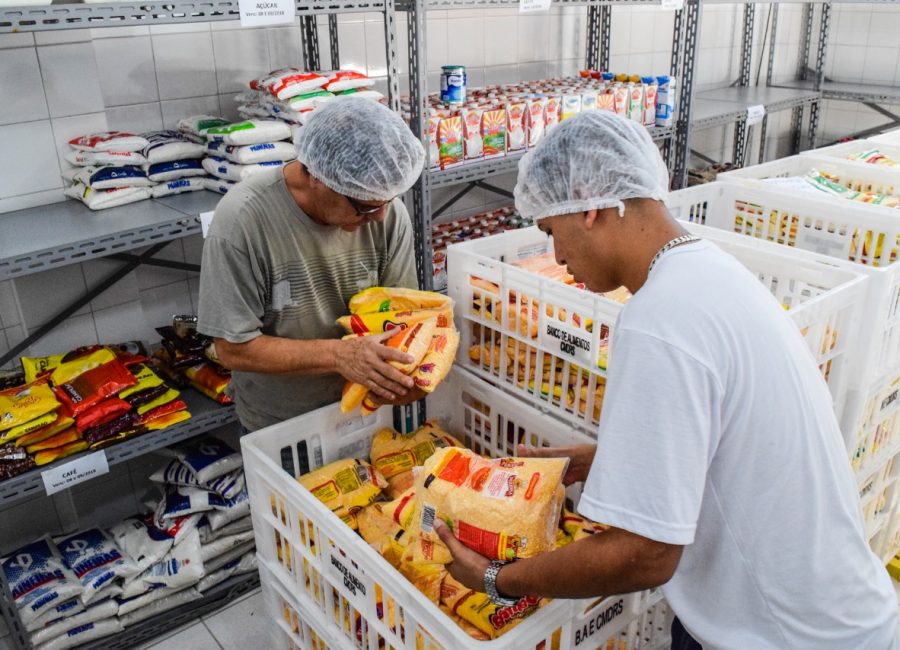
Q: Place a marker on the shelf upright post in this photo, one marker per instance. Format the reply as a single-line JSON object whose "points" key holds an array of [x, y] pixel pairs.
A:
{"points": [[310, 43], [820, 72], [605, 31], [684, 55], [393, 58], [420, 198], [598, 34], [802, 75], [773, 8], [333, 41], [741, 129]]}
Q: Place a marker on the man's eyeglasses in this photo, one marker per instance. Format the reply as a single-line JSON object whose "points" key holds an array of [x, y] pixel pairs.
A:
{"points": [[363, 209]]}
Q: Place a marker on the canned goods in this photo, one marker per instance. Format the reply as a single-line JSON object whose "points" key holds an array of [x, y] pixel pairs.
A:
{"points": [[453, 85]]}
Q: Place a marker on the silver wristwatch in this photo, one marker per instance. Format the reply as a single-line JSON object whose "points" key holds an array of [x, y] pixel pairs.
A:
{"points": [[490, 585]]}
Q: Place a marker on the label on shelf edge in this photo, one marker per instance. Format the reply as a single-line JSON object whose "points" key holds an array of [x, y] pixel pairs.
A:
{"points": [[255, 13], [77, 471], [533, 6], [755, 114], [677, 5], [205, 221]]}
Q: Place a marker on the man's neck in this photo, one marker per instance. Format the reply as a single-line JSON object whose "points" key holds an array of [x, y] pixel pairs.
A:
{"points": [[649, 234], [298, 185]]}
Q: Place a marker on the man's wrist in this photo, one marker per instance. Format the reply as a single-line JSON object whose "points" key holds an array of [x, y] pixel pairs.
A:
{"points": [[490, 585]]}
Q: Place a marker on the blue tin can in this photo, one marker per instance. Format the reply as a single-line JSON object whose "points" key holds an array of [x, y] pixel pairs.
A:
{"points": [[453, 85]]}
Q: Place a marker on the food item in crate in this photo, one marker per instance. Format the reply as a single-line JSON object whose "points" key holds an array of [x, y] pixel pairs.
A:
{"points": [[377, 322], [38, 579], [438, 359], [386, 299], [504, 508], [477, 609], [578, 527], [96, 561], [395, 455], [345, 487], [874, 157], [831, 184], [22, 404], [382, 533]]}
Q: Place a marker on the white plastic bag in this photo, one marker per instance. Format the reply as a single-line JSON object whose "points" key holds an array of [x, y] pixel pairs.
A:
{"points": [[218, 185], [89, 158], [39, 579], [98, 612], [207, 534], [193, 184], [69, 608], [229, 171], [96, 561], [339, 80], [290, 82], [175, 472], [217, 563], [180, 501], [234, 509], [207, 458], [173, 170], [177, 529], [162, 604], [166, 146], [110, 177], [82, 634], [145, 545], [244, 564], [109, 141], [181, 567], [224, 544], [253, 153], [249, 132], [102, 199], [196, 125]]}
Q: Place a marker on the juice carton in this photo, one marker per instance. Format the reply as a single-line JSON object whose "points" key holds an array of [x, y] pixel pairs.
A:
{"points": [[650, 92], [535, 109], [589, 101], [515, 129], [636, 102], [605, 100], [493, 132], [471, 118], [450, 141], [434, 154], [621, 98], [571, 106], [551, 112]]}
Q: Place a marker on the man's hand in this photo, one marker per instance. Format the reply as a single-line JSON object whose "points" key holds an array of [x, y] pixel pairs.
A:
{"points": [[468, 567], [364, 360], [412, 395], [580, 459]]}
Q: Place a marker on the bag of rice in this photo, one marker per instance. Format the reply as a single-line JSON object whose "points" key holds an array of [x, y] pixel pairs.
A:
{"points": [[145, 545], [196, 125], [109, 141], [96, 158], [39, 579], [289, 82], [207, 534], [175, 472], [235, 508], [101, 199], [229, 171], [307, 101], [362, 93], [181, 567], [173, 170], [179, 186], [503, 508], [345, 487], [95, 560], [395, 454], [167, 146], [104, 178], [387, 299], [253, 153], [180, 501], [208, 458], [249, 132], [217, 185], [339, 80], [244, 564]]}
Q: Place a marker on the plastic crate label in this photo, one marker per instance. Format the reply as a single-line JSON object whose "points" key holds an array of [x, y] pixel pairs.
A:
{"points": [[572, 343], [596, 623], [823, 245], [351, 582], [533, 250]]}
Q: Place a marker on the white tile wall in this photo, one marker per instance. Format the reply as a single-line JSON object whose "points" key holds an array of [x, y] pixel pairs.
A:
{"points": [[185, 65], [71, 79], [21, 87], [126, 70], [31, 163], [240, 56]]}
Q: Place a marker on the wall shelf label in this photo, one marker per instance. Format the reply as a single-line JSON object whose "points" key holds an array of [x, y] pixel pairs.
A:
{"points": [[533, 6], [755, 114], [57, 479], [255, 13]]}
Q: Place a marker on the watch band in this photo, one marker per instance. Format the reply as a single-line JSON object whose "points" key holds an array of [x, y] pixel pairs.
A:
{"points": [[490, 585]]}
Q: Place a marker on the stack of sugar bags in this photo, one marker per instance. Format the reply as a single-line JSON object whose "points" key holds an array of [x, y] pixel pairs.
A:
{"points": [[237, 151], [107, 169], [173, 162]]}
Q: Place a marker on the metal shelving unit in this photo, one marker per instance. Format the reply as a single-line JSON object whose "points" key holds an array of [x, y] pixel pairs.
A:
{"points": [[728, 105], [206, 415], [473, 174]]}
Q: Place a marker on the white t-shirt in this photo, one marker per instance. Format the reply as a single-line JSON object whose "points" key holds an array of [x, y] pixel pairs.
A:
{"points": [[717, 433]]}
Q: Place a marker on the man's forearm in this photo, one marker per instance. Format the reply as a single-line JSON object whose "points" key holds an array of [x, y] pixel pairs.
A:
{"points": [[614, 562], [275, 355]]}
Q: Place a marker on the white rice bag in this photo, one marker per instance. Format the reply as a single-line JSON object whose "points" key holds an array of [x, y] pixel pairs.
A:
{"points": [[234, 509], [175, 472], [110, 177], [109, 141], [166, 146], [69, 608], [339, 80], [178, 528], [181, 567], [218, 185], [207, 534], [98, 612], [250, 132], [229, 171], [252, 111], [196, 125], [181, 500], [362, 93], [253, 153], [39, 579], [89, 158], [283, 112], [244, 564], [224, 545], [164, 603], [134, 588], [174, 169], [217, 563], [180, 186], [145, 545], [207, 458], [290, 82], [95, 560], [83, 634], [101, 199], [307, 101]]}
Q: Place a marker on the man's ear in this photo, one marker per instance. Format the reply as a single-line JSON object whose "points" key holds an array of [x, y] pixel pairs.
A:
{"points": [[590, 217]]}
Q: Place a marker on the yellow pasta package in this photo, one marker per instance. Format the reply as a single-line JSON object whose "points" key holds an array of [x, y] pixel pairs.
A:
{"points": [[503, 508], [383, 299], [578, 527], [438, 360], [395, 454], [401, 509], [376, 322], [345, 487], [477, 609]]}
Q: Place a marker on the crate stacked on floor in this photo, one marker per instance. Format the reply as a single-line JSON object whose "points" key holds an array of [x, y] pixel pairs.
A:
{"points": [[841, 202]]}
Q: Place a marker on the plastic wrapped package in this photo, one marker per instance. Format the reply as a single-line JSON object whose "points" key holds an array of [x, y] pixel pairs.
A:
{"points": [[175, 472], [145, 545], [69, 608], [253, 153], [109, 177], [96, 561], [235, 508], [207, 458], [23, 404], [166, 146], [95, 158], [196, 125], [94, 613], [223, 545], [173, 170], [345, 487], [249, 132], [181, 567], [180, 186], [180, 501], [162, 604], [230, 171], [39, 579], [217, 563], [83, 634], [244, 564], [207, 534], [109, 141], [94, 386]]}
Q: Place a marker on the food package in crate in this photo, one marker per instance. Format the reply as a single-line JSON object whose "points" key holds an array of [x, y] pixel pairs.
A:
{"points": [[351, 592]]}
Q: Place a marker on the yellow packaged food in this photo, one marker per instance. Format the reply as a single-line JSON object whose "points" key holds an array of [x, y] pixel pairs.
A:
{"points": [[578, 527], [401, 509], [34, 367], [22, 404], [169, 396], [68, 370], [163, 421], [49, 455], [395, 454], [345, 487], [382, 299], [464, 625], [477, 609], [377, 322], [146, 379], [438, 360], [60, 423], [427, 577], [17, 433], [381, 533], [62, 438], [503, 508]]}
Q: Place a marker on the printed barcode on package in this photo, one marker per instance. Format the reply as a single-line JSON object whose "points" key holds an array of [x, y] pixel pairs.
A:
{"points": [[428, 513]]}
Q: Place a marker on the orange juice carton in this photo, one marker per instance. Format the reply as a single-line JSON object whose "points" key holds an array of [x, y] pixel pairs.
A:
{"points": [[515, 129], [450, 141], [474, 145], [534, 112], [493, 132]]}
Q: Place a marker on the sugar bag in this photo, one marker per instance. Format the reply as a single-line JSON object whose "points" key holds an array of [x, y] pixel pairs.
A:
{"points": [[207, 534], [339, 80], [102, 199], [253, 153], [306, 101], [166, 146], [39, 579], [289, 82], [244, 564], [181, 500], [83, 634], [207, 458], [173, 170], [177, 473], [234, 509], [89, 158], [104, 178], [217, 563], [145, 545], [181, 567], [218, 185], [192, 184], [229, 171], [250, 132], [162, 604], [68, 608], [98, 612], [197, 125], [109, 141], [224, 545], [362, 93], [95, 560]]}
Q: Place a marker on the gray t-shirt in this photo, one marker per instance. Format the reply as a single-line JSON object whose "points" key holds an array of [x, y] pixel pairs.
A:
{"points": [[270, 269]]}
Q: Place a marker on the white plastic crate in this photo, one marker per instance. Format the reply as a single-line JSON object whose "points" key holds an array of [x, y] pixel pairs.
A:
{"points": [[891, 137], [876, 414], [545, 341], [867, 235], [841, 150], [345, 593]]}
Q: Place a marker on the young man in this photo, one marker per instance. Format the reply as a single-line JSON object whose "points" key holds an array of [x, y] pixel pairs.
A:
{"points": [[286, 251], [719, 462]]}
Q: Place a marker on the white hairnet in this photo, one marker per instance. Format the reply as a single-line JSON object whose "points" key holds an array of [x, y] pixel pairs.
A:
{"points": [[360, 148], [593, 160]]}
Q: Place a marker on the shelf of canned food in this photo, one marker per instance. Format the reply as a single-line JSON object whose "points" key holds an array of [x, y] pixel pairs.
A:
{"points": [[31, 17], [206, 416]]}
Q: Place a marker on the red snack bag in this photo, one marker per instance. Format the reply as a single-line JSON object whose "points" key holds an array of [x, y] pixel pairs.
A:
{"points": [[94, 386], [106, 411], [159, 411]]}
